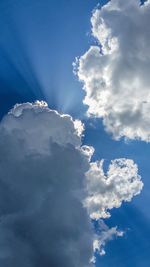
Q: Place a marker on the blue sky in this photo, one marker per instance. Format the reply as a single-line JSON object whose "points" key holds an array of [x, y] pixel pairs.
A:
{"points": [[39, 41], [37, 50], [133, 249]]}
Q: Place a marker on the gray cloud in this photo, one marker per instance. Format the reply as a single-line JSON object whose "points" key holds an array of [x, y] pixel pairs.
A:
{"points": [[49, 190], [43, 222]]}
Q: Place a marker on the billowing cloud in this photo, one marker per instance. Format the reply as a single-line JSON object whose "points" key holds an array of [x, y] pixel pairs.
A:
{"points": [[106, 192], [49, 190], [43, 221], [115, 70]]}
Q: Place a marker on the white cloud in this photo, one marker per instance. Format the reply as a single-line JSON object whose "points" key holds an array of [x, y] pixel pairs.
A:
{"points": [[44, 124], [115, 71], [106, 192], [45, 178], [105, 234]]}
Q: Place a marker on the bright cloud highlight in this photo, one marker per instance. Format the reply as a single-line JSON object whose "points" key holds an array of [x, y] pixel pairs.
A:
{"points": [[115, 70]]}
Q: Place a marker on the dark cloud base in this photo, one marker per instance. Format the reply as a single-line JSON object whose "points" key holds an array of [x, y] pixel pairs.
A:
{"points": [[42, 219]]}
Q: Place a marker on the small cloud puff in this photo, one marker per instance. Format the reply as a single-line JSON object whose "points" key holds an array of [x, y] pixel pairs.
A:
{"points": [[106, 192], [104, 235]]}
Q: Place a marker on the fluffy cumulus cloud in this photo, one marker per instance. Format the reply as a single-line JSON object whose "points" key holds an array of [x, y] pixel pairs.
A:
{"points": [[105, 192], [115, 70], [49, 190]]}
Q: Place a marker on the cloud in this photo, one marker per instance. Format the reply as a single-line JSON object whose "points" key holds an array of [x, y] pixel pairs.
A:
{"points": [[42, 169], [104, 235], [106, 192], [49, 190], [115, 70]]}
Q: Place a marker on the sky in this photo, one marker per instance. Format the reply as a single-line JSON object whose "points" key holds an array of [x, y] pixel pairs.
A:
{"points": [[90, 60]]}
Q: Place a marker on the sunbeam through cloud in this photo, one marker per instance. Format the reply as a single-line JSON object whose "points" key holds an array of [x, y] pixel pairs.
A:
{"points": [[74, 133]]}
